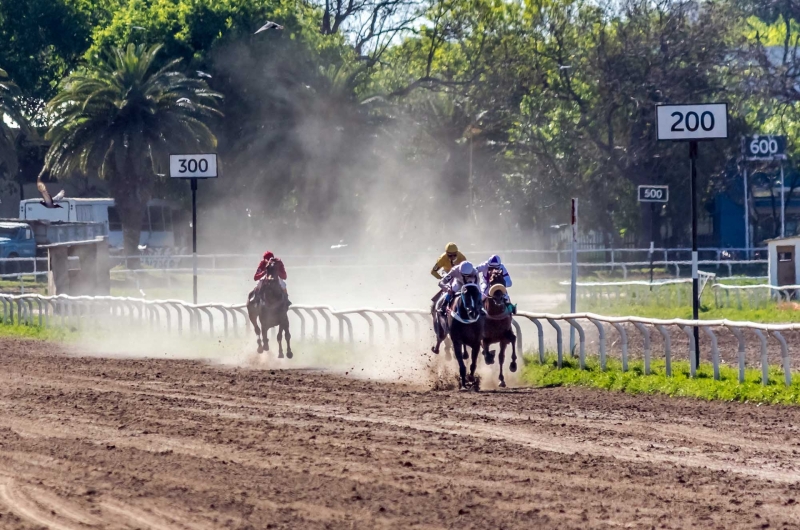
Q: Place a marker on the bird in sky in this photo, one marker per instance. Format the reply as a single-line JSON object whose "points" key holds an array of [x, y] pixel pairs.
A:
{"points": [[268, 26], [49, 202]]}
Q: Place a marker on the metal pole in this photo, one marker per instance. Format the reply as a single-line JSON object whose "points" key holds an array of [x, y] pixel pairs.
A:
{"points": [[783, 206], [194, 240], [573, 291], [746, 216], [652, 239], [695, 286]]}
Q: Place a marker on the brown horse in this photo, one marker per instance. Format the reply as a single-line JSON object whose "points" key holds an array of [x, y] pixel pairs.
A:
{"points": [[269, 303], [498, 327]]}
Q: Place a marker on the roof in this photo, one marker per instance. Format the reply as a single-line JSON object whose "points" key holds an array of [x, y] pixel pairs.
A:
{"points": [[14, 225], [783, 239]]}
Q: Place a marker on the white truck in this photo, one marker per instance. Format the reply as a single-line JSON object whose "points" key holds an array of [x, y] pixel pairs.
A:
{"points": [[158, 229]]}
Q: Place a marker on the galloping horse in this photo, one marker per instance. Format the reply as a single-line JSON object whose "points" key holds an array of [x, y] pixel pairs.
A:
{"points": [[269, 303], [440, 328], [498, 327], [466, 321]]}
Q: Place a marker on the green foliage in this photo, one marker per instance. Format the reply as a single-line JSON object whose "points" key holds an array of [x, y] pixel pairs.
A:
{"points": [[35, 332], [121, 116], [634, 381], [10, 108]]}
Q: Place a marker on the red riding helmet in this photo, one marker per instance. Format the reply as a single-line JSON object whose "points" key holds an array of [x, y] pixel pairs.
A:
{"points": [[268, 255]]}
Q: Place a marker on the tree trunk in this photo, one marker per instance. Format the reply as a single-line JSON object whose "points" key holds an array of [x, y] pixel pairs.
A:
{"points": [[131, 213]]}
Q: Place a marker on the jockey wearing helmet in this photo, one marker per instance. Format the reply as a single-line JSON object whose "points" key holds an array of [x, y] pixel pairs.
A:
{"points": [[485, 269], [447, 261], [459, 276], [280, 270]]}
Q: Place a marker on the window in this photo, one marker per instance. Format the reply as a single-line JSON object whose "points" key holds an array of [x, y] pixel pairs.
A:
{"points": [[28, 233], [84, 212], [8, 233], [784, 256], [114, 222], [156, 218]]}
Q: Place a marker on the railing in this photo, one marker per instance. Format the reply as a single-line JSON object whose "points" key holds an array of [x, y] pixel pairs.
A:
{"points": [[182, 318], [646, 326], [756, 295]]}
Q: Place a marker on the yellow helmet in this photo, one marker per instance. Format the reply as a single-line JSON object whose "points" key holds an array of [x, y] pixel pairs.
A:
{"points": [[451, 248]]}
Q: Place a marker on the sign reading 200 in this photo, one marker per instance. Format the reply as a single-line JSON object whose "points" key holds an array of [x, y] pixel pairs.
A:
{"points": [[692, 121]]}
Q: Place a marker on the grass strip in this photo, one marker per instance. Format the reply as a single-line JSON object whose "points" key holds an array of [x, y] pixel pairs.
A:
{"points": [[634, 381], [26, 331]]}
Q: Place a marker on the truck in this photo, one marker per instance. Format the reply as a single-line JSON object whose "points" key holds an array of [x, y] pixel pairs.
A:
{"points": [[16, 241], [158, 228], [24, 239]]}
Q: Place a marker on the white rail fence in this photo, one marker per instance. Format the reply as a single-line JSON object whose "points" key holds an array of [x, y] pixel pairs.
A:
{"points": [[228, 319]]}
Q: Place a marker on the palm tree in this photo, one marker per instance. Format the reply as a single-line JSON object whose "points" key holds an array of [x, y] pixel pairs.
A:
{"points": [[120, 117], [10, 109]]}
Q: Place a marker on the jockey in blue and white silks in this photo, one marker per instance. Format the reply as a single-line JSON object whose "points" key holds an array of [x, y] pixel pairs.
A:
{"points": [[485, 268]]}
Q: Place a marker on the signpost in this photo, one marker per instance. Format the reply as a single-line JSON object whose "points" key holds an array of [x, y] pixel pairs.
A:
{"points": [[193, 167], [573, 290], [653, 194], [763, 148], [693, 123]]}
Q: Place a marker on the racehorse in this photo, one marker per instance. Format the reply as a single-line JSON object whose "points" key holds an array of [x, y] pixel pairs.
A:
{"points": [[269, 303], [466, 321], [498, 327], [440, 328]]}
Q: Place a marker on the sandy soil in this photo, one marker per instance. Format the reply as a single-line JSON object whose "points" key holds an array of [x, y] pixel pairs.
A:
{"points": [[91, 442]]}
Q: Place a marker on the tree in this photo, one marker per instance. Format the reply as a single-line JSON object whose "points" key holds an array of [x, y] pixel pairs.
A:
{"points": [[10, 109], [120, 116]]}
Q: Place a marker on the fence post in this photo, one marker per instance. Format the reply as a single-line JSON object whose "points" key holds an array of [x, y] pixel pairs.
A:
{"points": [[559, 341], [764, 360], [646, 334], [624, 336]]}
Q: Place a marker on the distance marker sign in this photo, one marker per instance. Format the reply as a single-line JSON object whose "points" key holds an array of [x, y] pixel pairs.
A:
{"points": [[648, 193], [764, 147], [692, 122], [198, 166]]}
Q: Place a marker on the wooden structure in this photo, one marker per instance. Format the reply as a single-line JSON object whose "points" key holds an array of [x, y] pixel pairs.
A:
{"points": [[784, 265], [89, 274]]}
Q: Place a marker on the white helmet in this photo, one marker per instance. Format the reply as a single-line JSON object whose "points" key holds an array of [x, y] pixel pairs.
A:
{"points": [[466, 268]]}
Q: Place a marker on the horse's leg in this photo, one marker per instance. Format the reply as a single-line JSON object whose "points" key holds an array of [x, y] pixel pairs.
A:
{"points": [[476, 347], [252, 313], [264, 330], [288, 336], [280, 338], [513, 339], [437, 330], [488, 355], [501, 360], [462, 367], [448, 348]]}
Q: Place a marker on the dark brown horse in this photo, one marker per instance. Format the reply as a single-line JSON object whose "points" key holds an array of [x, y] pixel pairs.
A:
{"points": [[498, 327], [269, 303], [466, 321]]}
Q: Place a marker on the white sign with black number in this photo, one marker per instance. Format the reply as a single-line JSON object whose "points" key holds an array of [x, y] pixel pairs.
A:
{"points": [[653, 193], [692, 122], [193, 166]]}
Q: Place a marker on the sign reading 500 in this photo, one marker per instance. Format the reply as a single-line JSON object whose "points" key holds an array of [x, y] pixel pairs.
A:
{"points": [[198, 166]]}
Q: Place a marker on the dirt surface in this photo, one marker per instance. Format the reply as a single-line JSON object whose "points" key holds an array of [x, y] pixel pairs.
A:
{"points": [[115, 443]]}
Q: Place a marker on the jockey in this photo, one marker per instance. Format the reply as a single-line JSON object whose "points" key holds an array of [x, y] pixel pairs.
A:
{"points": [[485, 269], [261, 272], [459, 276], [447, 261]]}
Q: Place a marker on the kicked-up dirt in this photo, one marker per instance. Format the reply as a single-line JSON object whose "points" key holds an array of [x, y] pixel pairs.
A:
{"points": [[88, 442]]}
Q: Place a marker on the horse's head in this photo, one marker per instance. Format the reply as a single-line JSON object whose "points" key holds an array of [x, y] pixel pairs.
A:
{"points": [[470, 299], [496, 276]]}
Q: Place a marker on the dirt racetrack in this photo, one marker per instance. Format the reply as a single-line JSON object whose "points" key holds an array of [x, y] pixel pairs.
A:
{"points": [[89, 442]]}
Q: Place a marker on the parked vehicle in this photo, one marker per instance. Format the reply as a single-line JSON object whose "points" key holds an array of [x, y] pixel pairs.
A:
{"points": [[157, 229], [16, 241]]}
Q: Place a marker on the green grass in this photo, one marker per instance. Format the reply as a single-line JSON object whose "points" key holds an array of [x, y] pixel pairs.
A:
{"points": [[634, 381], [25, 331]]}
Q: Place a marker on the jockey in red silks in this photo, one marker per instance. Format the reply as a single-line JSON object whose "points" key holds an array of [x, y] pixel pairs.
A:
{"points": [[261, 272]]}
